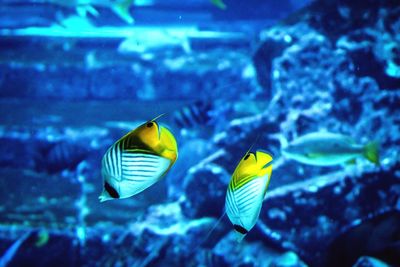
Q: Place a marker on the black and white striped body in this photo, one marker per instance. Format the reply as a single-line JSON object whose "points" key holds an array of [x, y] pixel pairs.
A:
{"points": [[128, 170], [243, 203]]}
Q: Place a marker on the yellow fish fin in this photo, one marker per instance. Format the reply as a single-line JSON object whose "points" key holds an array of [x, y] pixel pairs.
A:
{"points": [[266, 171], [122, 10], [219, 3], [263, 157], [265, 160], [42, 238], [371, 152], [351, 162], [168, 140]]}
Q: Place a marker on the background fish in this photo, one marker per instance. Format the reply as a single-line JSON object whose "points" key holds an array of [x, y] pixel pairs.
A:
{"points": [[192, 115], [119, 7], [327, 149], [137, 161], [246, 191], [61, 156]]}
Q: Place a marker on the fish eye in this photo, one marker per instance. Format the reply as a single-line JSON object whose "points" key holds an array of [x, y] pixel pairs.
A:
{"points": [[247, 156], [149, 124]]}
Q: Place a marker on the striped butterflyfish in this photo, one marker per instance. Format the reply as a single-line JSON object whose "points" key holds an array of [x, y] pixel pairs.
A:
{"points": [[137, 161], [246, 191]]}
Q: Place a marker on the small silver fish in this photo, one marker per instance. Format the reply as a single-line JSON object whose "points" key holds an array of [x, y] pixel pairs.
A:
{"points": [[328, 149]]}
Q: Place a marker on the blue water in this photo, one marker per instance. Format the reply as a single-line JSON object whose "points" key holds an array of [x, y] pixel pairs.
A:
{"points": [[255, 74]]}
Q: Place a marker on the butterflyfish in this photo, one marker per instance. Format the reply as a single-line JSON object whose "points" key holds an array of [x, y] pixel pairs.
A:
{"points": [[137, 160], [246, 191]]}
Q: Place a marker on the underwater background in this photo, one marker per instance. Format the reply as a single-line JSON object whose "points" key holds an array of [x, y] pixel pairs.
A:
{"points": [[75, 76]]}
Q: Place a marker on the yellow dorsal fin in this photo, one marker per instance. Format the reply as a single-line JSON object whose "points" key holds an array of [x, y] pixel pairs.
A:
{"points": [[264, 160]]}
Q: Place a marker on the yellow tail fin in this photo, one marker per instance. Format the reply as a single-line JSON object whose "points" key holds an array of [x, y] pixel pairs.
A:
{"points": [[122, 10], [219, 3], [371, 152]]}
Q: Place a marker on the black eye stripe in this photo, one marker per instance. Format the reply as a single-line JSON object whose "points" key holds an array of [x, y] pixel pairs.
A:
{"points": [[149, 124], [247, 156]]}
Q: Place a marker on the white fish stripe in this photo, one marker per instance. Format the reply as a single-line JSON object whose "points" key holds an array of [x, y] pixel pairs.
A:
{"points": [[245, 206], [231, 203], [139, 168], [117, 158], [112, 160], [245, 195], [138, 163], [232, 209], [140, 155], [131, 172], [134, 178], [252, 182], [247, 192], [131, 159], [108, 160], [244, 198], [139, 173], [139, 158]]}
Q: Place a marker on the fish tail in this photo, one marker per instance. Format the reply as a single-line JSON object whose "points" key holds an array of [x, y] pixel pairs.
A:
{"points": [[122, 10], [103, 197], [371, 152], [239, 237]]}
